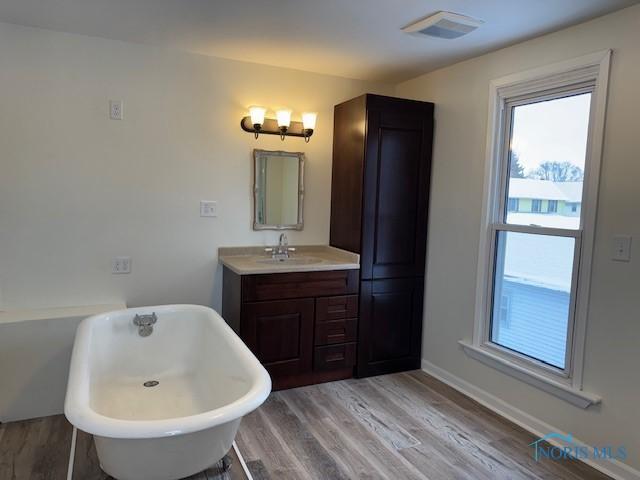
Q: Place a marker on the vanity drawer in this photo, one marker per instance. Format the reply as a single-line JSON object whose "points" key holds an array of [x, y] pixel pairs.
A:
{"points": [[334, 308], [336, 331], [333, 357], [279, 286]]}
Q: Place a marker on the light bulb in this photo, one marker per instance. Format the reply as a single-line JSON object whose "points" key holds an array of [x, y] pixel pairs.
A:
{"points": [[257, 115], [309, 120], [284, 118]]}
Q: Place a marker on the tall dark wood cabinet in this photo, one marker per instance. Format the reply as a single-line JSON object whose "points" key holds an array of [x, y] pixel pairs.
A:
{"points": [[379, 207]]}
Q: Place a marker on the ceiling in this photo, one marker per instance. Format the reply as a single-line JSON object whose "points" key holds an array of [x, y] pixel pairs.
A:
{"points": [[349, 38]]}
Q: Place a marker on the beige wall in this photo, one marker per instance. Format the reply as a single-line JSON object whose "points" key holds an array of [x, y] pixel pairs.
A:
{"points": [[77, 189], [460, 93]]}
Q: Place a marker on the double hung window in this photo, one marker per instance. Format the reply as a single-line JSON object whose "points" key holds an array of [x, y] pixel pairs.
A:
{"points": [[534, 274]]}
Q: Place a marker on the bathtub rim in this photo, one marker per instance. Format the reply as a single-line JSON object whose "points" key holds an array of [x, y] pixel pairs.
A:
{"points": [[77, 407]]}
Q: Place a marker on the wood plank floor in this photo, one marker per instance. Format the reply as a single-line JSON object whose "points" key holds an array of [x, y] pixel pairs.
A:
{"points": [[35, 449], [401, 426], [39, 450]]}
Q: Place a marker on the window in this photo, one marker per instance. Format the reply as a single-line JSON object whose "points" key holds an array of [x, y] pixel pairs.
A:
{"points": [[536, 205], [534, 273], [534, 264]]}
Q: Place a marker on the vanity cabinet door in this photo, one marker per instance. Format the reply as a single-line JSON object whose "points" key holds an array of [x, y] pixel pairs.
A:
{"points": [[280, 334], [396, 189], [390, 326]]}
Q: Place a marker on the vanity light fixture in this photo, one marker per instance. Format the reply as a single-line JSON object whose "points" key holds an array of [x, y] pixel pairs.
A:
{"points": [[308, 124], [256, 122]]}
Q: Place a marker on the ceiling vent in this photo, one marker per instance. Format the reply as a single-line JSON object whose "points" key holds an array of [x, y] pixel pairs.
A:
{"points": [[444, 25]]}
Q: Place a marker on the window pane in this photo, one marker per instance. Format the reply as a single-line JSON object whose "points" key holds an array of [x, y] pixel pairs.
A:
{"points": [[546, 161], [531, 295]]}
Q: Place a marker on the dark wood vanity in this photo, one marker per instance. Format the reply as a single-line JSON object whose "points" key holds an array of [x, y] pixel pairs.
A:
{"points": [[302, 326], [330, 324]]}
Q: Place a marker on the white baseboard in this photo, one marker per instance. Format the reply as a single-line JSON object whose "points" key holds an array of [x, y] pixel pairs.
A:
{"points": [[613, 468]]}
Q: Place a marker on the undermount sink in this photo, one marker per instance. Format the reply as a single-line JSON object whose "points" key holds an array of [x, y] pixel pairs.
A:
{"points": [[290, 261]]}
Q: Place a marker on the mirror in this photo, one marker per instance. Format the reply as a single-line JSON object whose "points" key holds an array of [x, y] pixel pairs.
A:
{"points": [[278, 190]]}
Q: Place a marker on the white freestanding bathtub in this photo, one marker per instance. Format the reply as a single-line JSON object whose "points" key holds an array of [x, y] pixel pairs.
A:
{"points": [[207, 379]]}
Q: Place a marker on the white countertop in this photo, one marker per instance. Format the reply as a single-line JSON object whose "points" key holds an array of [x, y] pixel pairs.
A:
{"points": [[254, 260]]}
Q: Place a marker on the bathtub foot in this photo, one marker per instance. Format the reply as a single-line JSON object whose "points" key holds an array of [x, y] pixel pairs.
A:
{"points": [[226, 463]]}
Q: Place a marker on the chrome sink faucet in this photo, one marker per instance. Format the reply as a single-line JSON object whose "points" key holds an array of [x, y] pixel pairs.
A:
{"points": [[282, 250], [145, 323], [283, 245]]}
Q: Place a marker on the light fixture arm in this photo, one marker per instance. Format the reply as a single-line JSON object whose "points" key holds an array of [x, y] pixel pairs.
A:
{"points": [[283, 132], [307, 134]]}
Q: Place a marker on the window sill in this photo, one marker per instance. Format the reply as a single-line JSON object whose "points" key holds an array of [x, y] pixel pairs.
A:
{"points": [[575, 397]]}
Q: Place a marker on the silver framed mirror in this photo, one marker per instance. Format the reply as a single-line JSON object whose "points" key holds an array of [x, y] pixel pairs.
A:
{"points": [[278, 190]]}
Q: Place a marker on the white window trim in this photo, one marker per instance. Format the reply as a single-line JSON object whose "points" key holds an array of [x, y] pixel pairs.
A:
{"points": [[593, 68]]}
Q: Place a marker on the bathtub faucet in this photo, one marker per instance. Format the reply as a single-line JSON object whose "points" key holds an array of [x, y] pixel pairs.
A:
{"points": [[145, 323]]}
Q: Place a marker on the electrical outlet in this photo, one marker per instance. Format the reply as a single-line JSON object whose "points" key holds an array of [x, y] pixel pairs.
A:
{"points": [[121, 265], [115, 110], [208, 208]]}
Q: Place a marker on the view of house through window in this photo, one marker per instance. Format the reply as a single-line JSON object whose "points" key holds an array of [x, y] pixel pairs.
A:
{"points": [[538, 232]]}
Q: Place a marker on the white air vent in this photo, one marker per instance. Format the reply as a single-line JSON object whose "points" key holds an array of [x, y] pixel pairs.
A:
{"points": [[444, 25]]}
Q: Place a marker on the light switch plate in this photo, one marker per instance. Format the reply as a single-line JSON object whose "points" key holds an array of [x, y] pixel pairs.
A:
{"points": [[208, 208], [621, 248], [121, 265]]}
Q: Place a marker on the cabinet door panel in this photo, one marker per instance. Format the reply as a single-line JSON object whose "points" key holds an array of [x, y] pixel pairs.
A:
{"points": [[390, 326], [278, 337], [397, 198], [280, 334], [396, 191]]}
